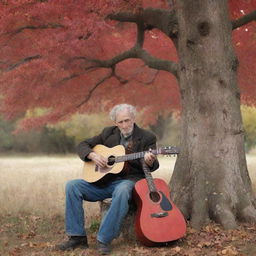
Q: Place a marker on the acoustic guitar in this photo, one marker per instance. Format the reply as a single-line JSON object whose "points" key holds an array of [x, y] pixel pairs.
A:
{"points": [[157, 219], [116, 158]]}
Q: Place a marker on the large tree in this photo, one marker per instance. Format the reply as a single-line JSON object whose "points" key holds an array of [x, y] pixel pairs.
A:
{"points": [[210, 179], [68, 66]]}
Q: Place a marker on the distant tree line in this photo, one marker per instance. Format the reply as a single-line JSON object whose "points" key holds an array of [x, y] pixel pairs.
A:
{"points": [[249, 121], [47, 140], [63, 137]]}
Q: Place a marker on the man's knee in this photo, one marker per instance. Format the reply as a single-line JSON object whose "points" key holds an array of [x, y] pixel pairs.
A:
{"points": [[124, 189], [72, 186]]}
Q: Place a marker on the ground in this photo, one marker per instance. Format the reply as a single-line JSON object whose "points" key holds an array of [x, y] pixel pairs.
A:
{"points": [[33, 235], [32, 208]]}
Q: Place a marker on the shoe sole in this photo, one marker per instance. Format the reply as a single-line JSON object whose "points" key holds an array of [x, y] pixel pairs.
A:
{"points": [[72, 248]]}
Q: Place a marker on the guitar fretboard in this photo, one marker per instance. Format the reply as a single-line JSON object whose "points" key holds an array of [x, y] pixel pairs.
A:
{"points": [[137, 155], [132, 156], [148, 176]]}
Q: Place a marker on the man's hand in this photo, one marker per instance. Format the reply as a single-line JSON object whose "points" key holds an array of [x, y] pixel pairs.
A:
{"points": [[99, 160], [149, 158]]}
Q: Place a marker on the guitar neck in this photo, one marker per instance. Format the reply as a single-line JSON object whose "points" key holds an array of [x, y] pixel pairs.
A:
{"points": [[129, 157], [148, 176], [137, 155]]}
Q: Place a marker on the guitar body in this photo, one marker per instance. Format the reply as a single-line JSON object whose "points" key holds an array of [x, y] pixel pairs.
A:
{"points": [[93, 173], [157, 220], [116, 161]]}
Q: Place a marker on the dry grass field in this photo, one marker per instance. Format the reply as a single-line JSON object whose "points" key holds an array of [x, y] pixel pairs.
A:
{"points": [[32, 209], [36, 184]]}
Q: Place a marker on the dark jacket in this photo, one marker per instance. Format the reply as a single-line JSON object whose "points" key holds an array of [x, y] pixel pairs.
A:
{"points": [[142, 140]]}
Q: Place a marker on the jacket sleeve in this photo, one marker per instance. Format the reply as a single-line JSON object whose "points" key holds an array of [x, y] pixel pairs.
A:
{"points": [[85, 147]]}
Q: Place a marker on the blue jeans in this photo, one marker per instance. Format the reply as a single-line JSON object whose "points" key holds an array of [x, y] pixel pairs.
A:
{"points": [[78, 190]]}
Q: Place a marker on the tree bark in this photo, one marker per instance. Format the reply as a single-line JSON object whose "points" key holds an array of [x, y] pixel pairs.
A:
{"points": [[210, 179]]}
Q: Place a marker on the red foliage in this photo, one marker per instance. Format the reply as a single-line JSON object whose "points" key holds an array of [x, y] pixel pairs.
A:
{"points": [[244, 39], [44, 51]]}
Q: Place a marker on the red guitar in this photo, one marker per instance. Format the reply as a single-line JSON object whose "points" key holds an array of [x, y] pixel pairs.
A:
{"points": [[157, 220]]}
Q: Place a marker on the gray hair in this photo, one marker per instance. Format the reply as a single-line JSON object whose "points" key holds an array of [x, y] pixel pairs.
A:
{"points": [[116, 109]]}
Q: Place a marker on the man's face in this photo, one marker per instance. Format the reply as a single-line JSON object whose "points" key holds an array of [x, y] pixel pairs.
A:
{"points": [[125, 122]]}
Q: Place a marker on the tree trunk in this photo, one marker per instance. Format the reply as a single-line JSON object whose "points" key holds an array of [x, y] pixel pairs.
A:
{"points": [[210, 179]]}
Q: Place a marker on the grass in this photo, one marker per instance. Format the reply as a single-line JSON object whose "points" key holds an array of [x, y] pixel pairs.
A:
{"points": [[36, 184], [32, 203], [32, 199], [32, 196], [251, 164]]}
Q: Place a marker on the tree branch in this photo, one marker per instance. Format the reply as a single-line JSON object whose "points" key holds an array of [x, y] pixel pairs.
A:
{"points": [[124, 81], [88, 96], [66, 79], [119, 78], [137, 53], [153, 78], [151, 81], [244, 20], [156, 63], [111, 62], [140, 33], [164, 20], [21, 29], [97, 63], [153, 17], [46, 26], [22, 61]]}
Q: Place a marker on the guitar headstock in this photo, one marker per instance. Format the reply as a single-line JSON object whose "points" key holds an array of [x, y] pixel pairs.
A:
{"points": [[169, 150]]}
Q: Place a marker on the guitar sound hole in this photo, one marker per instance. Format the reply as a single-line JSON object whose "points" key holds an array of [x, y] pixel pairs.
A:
{"points": [[111, 160], [154, 196]]}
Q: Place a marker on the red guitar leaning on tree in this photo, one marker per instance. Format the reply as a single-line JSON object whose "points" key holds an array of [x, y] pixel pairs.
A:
{"points": [[157, 220]]}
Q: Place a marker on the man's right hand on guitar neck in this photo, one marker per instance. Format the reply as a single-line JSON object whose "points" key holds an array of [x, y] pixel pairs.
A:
{"points": [[99, 160]]}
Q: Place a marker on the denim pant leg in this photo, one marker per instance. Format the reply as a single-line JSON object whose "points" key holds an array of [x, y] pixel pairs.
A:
{"points": [[77, 191], [112, 221]]}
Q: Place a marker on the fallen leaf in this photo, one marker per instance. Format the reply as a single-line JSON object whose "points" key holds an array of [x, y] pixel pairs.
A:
{"points": [[229, 251]]}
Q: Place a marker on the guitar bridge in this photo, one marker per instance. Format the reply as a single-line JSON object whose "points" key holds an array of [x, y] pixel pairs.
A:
{"points": [[159, 214]]}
